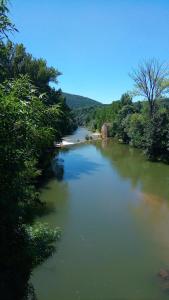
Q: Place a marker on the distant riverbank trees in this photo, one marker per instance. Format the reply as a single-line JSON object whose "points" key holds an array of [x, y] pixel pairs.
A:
{"points": [[32, 116], [142, 124]]}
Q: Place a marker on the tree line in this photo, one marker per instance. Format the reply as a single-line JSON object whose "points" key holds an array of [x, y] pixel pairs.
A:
{"points": [[32, 116], [142, 124]]}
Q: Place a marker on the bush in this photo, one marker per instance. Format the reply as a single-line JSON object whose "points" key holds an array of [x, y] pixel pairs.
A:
{"points": [[157, 136], [136, 130]]}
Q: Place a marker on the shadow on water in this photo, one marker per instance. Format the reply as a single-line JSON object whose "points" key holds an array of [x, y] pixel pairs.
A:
{"points": [[41, 208], [75, 165], [58, 168]]}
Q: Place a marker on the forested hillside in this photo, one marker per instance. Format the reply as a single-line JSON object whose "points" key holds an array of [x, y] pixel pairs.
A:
{"points": [[75, 101]]}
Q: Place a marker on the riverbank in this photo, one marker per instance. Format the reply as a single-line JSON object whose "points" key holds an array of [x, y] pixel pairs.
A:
{"points": [[81, 135]]}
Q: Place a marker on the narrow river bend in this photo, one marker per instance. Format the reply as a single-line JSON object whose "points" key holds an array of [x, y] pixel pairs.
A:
{"points": [[113, 208]]}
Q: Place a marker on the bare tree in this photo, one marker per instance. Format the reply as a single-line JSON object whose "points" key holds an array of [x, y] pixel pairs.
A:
{"points": [[151, 81]]}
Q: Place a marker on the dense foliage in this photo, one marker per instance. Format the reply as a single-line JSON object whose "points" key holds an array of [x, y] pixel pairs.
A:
{"points": [[32, 116], [131, 123]]}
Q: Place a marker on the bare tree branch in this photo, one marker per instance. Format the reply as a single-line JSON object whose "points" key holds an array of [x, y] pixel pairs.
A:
{"points": [[151, 81]]}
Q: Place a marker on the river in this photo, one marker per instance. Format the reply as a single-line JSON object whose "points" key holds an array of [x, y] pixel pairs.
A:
{"points": [[113, 207]]}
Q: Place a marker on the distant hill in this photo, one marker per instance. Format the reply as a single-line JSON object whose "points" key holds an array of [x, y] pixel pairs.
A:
{"points": [[76, 102]]}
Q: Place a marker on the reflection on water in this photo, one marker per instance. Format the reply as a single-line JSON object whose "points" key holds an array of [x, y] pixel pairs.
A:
{"points": [[113, 206], [75, 165], [58, 168], [78, 136], [130, 163]]}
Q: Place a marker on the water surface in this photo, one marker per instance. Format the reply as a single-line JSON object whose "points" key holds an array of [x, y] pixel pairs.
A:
{"points": [[79, 135], [113, 207]]}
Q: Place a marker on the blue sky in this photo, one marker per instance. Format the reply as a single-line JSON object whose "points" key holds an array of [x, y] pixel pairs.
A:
{"points": [[94, 43]]}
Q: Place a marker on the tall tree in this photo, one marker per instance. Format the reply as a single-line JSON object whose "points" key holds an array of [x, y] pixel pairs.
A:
{"points": [[126, 99], [150, 80]]}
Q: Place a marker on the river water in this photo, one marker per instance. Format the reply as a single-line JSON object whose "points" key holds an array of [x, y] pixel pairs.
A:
{"points": [[113, 208]]}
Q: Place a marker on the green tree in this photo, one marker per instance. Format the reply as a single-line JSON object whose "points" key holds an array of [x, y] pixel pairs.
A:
{"points": [[6, 26], [157, 136], [136, 128], [32, 116], [126, 99], [24, 137], [121, 122]]}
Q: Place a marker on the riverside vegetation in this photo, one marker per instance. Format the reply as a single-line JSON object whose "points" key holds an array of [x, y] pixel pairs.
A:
{"points": [[32, 116], [145, 124]]}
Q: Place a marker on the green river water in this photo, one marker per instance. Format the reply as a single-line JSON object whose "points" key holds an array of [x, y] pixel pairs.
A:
{"points": [[113, 208]]}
